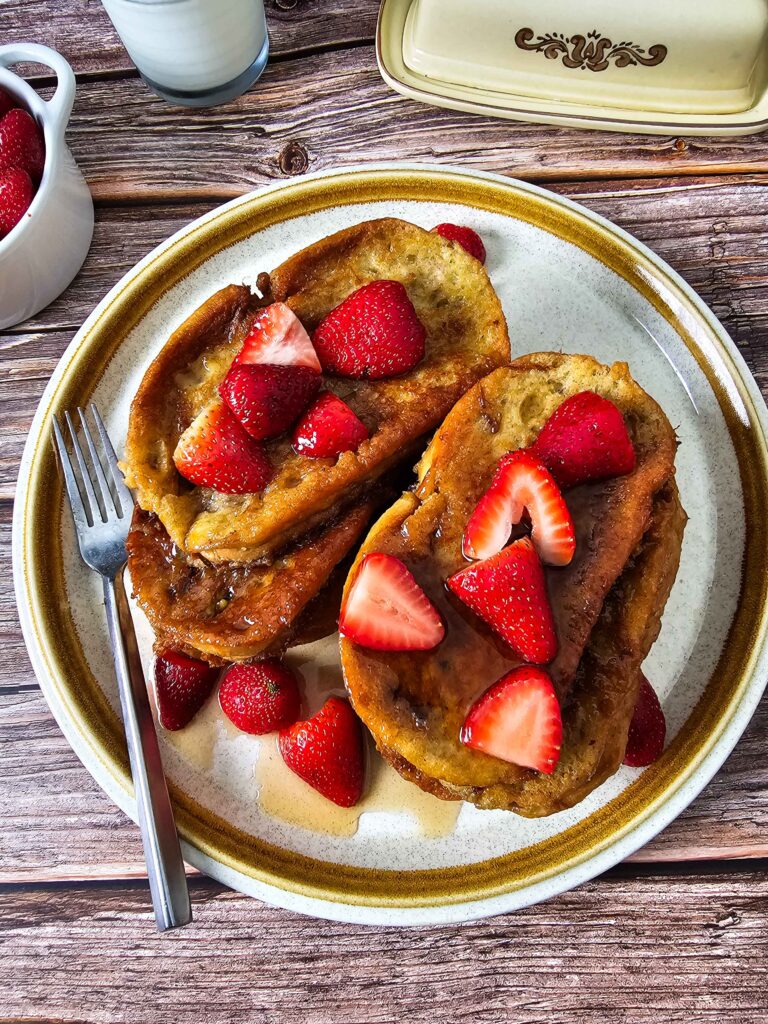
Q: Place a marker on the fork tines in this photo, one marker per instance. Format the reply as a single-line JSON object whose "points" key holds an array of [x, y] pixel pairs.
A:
{"points": [[96, 490]]}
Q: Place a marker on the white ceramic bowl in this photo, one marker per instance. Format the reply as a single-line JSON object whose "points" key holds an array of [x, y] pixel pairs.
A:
{"points": [[45, 250]]}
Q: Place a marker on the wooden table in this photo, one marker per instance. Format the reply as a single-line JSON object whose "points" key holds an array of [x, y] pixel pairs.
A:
{"points": [[678, 934]]}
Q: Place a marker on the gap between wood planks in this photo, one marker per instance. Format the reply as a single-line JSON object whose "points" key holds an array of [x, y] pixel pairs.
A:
{"points": [[134, 877]]}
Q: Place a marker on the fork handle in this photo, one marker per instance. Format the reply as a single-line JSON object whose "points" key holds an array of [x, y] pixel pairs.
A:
{"points": [[165, 867]]}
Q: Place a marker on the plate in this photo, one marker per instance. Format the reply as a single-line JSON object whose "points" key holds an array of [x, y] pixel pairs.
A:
{"points": [[568, 280]]}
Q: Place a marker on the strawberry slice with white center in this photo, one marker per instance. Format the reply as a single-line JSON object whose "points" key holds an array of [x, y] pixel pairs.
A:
{"points": [[214, 451], [521, 483], [386, 609], [518, 720], [278, 338]]}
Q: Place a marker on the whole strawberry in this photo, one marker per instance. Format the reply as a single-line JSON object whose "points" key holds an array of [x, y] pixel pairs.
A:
{"points": [[374, 333], [21, 144], [16, 194], [585, 439], [267, 399], [260, 697], [647, 730], [182, 686], [466, 237], [326, 751]]}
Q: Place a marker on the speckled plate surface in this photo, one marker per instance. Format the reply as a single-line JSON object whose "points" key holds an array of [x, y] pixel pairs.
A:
{"points": [[568, 280]]}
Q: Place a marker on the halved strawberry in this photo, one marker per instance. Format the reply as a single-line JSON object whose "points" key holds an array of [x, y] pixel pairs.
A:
{"points": [[466, 237], [16, 194], [21, 144], [182, 686], [326, 751], [647, 730], [373, 333], [518, 719], [260, 697], [214, 451], [509, 592], [327, 428], [521, 484], [386, 609], [278, 338], [585, 439], [267, 399]]}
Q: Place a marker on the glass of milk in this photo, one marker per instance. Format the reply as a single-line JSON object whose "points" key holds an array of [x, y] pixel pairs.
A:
{"points": [[194, 52]]}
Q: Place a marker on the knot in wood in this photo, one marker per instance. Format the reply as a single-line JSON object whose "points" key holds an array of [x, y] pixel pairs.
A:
{"points": [[293, 159]]}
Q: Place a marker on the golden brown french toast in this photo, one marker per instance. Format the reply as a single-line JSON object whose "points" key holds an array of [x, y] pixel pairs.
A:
{"points": [[598, 711], [466, 338], [235, 611], [415, 703]]}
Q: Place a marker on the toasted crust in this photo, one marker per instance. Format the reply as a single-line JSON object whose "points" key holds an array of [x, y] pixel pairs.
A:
{"points": [[466, 338], [597, 716], [233, 611], [415, 705]]}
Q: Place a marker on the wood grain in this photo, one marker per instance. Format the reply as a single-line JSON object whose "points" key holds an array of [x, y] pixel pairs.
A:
{"points": [[333, 108], [622, 949]]}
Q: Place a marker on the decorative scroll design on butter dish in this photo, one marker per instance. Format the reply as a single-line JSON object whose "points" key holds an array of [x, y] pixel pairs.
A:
{"points": [[592, 52]]}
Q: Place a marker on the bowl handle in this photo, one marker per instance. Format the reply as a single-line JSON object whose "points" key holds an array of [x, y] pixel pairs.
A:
{"points": [[60, 104]]}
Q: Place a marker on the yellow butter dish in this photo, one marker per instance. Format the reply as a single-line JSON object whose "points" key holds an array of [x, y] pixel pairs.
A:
{"points": [[699, 67]]}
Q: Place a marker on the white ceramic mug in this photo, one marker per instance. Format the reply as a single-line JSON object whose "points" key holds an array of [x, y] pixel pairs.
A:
{"points": [[40, 256]]}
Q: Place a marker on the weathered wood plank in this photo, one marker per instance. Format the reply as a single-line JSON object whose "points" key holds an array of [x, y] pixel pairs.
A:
{"points": [[621, 949], [83, 33], [712, 232], [333, 108]]}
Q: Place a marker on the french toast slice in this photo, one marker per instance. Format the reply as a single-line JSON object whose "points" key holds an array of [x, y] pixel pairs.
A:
{"points": [[236, 611], [415, 703], [466, 339], [599, 709]]}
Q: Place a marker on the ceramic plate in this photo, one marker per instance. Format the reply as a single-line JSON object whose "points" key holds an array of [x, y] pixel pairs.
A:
{"points": [[568, 280]]}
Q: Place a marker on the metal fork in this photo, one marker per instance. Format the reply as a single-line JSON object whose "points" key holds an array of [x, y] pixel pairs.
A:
{"points": [[101, 509]]}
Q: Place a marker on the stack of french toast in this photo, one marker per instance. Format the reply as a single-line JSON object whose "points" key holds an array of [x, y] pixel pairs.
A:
{"points": [[494, 618]]}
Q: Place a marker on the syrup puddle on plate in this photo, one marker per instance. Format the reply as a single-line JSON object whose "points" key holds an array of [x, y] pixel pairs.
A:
{"points": [[283, 795]]}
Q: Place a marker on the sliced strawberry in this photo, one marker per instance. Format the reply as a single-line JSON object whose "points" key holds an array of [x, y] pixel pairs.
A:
{"points": [[16, 194], [278, 338], [326, 751], [509, 592], [466, 237], [647, 730], [518, 719], [585, 439], [386, 609], [374, 333], [327, 428], [521, 484], [7, 102], [214, 451], [267, 399], [21, 144], [260, 697], [182, 686]]}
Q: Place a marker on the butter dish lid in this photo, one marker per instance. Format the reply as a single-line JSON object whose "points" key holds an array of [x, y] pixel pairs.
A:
{"points": [[699, 66]]}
